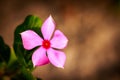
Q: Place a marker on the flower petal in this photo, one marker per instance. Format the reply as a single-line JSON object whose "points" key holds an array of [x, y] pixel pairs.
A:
{"points": [[39, 57], [57, 58], [48, 28], [30, 39], [59, 40]]}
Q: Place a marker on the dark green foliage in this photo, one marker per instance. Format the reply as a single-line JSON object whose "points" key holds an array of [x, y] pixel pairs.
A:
{"points": [[30, 23], [24, 56], [4, 51]]}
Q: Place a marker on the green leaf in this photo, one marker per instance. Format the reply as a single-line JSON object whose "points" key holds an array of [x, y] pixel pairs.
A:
{"points": [[24, 74], [33, 23], [4, 51]]}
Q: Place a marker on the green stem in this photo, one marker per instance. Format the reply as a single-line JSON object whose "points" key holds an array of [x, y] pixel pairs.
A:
{"points": [[13, 57]]}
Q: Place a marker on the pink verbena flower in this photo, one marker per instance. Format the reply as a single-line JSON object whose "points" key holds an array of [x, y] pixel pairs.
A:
{"points": [[48, 47]]}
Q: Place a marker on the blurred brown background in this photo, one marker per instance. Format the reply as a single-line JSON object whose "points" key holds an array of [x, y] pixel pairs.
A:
{"points": [[93, 30]]}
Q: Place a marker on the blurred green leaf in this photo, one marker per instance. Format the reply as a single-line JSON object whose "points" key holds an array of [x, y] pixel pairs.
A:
{"points": [[4, 51], [13, 64], [24, 74], [33, 23]]}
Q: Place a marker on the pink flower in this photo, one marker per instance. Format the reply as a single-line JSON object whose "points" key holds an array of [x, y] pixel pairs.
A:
{"points": [[48, 47]]}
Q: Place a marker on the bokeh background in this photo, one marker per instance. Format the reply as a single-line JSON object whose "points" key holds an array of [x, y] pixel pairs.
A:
{"points": [[93, 30]]}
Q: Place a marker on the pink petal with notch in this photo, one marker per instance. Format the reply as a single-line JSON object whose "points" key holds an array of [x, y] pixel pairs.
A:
{"points": [[48, 28], [39, 57], [57, 58], [59, 40], [30, 39]]}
